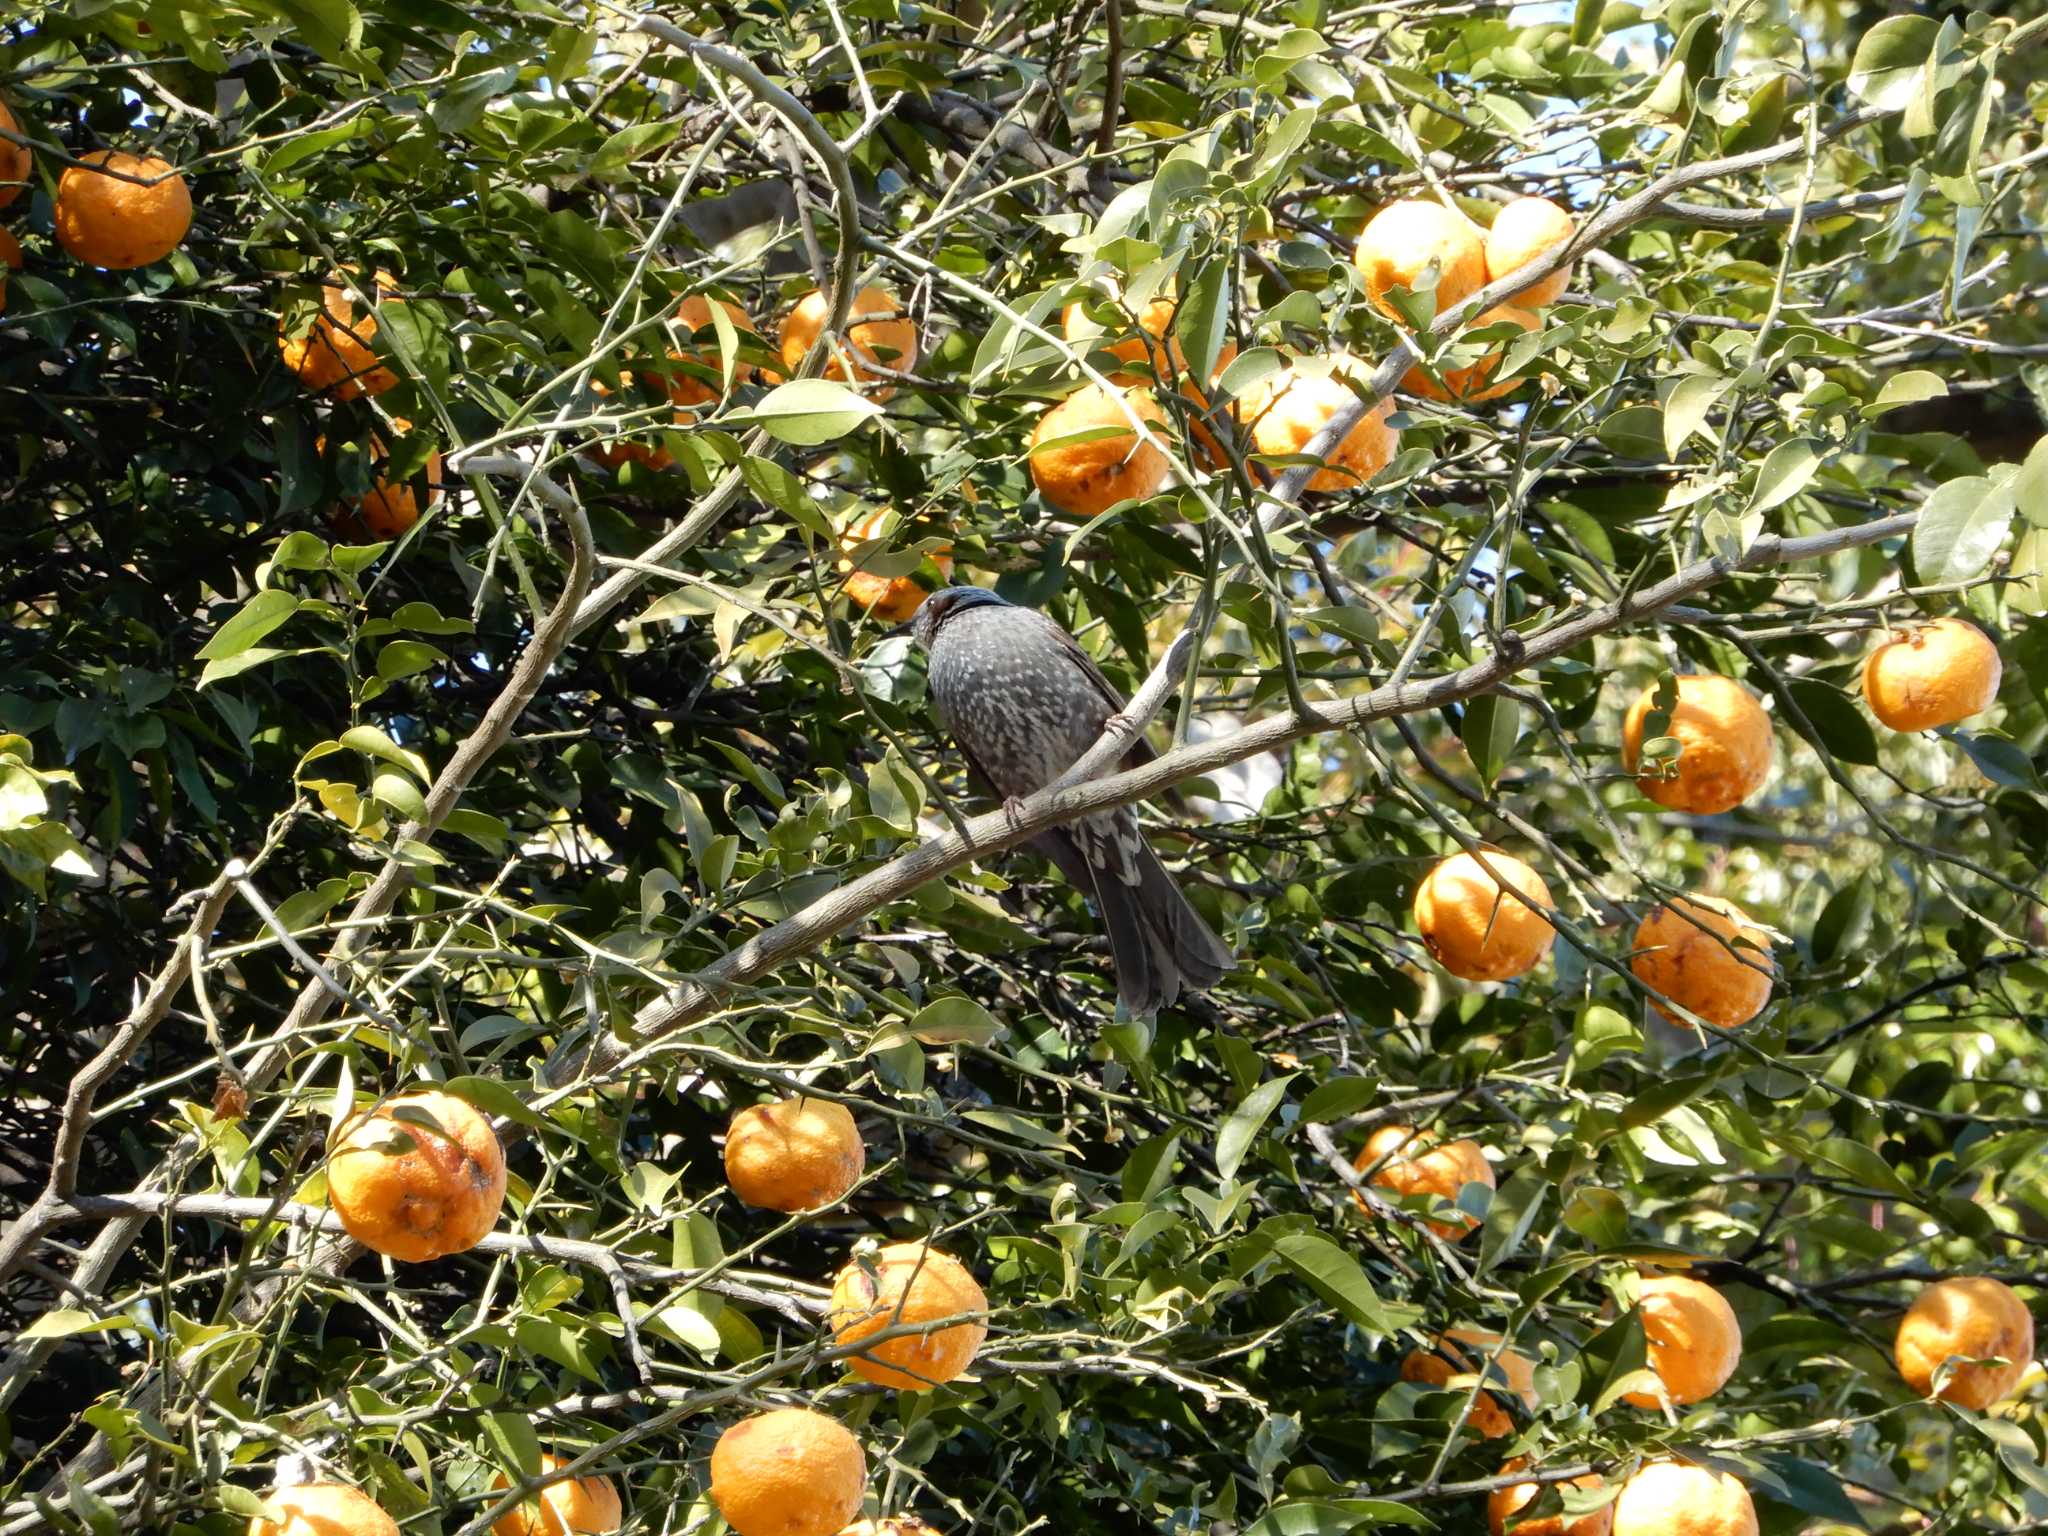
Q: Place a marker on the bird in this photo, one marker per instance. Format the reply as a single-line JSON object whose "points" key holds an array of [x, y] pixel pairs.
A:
{"points": [[1023, 702]]}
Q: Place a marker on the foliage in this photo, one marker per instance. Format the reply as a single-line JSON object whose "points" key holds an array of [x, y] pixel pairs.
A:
{"points": [[1818, 307]]}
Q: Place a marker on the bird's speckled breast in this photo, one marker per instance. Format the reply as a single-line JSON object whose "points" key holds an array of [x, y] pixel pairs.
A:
{"points": [[1013, 697]]}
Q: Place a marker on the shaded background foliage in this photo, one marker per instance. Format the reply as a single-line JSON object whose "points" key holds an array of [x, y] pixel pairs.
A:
{"points": [[1192, 1318]]}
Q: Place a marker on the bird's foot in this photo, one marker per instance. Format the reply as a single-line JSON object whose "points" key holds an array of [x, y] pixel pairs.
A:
{"points": [[1013, 810], [1119, 724]]}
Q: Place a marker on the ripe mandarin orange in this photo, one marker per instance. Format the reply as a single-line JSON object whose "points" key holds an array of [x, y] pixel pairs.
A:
{"points": [[1085, 479], [1937, 673], [1441, 1360], [891, 599], [1470, 384], [788, 1472], [323, 1509], [694, 316], [1675, 1498], [903, 1285], [1473, 926], [10, 260], [1968, 1317], [1525, 231], [1503, 1504], [16, 160], [1418, 1163], [1402, 240], [1694, 1340], [332, 350], [107, 221], [416, 1191], [389, 507], [891, 343], [1687, 950], [796, 1154], [573, 1505], [1286, 410], [1725, 741]]}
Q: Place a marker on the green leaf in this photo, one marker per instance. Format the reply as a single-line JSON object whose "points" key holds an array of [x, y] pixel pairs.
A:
{"points": [[1886, 69], [629, 144], [1492, 726], [252, 621], [1908, 388], [1244, 1123], [1336, 1277], [371, 741], [1843, 728], [1509, 1216], [955, 1021], [1787, 470], [1686, 410], [808, 412], [1331, 1517], [494, 1097], [512, 1436], [1999, 758], [1202, 319], [1338, 1097], [1586, 21], [404, 658], [1633, 432], [63, 1322], [1963, 524], [1149, 1169]]}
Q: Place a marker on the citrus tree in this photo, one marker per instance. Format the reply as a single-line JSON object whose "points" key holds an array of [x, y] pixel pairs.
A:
{"points": [[518, 1015]]}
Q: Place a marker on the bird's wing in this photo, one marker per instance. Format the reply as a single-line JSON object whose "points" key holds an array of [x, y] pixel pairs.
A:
{"points": [[1141, 750]]}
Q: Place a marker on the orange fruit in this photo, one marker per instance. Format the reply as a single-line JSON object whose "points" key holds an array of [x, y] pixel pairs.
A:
{"points": [[903, 1285], [415, 1191], [1088, 478], [10, 258], [1155, 321], [1402, 240], [1287, 409], [1435, 1366], [1420, 1164], [1686, 949], [575, 1504], [1503, 1504], [1724, 738], [1694, 1340], [891, 599], [694, 315], [333, 351], [1527, 230], [1469, 384], [1474, 928], [620, 450], [788, 1472], [388, 509], [16, 160], [891, 343], [795, 1154], [106, 221], [1933, 674], [1970, 1317], [323, 1509], [1675, 1498]]}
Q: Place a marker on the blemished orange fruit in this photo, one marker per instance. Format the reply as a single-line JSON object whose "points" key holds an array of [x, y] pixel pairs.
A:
{"points": [[1725, 741], [904, 1285], [891, 599], [1687, 950], [1969, 1317], [796, 1154], [788, 1472], [16, 160], [1420, 1164], [1401, 241], [1286, 410], [1086, 479], [10, 260], [1474, 928], [1675, 1498], [1503, 1504], [1525, 231], [1437, 1363], [106, 221], [1934, 674], [415, 1191], [586, 1505], [389, 508], [694, 316], [323, 1509], [333, 351], [890, 343], [1694, 1341], [1469, 385]]}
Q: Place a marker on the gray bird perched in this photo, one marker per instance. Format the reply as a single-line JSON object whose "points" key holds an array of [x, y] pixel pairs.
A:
{"points": [[1024, 702]]}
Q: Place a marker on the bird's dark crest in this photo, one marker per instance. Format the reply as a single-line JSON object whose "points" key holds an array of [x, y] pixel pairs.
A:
{"points": [[944, 603]]}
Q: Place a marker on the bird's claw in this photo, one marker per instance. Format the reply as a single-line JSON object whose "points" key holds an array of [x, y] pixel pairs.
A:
{"points": [[1013, 810], [1118, 724]]}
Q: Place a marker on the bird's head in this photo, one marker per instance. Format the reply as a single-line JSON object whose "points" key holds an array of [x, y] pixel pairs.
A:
{"points": [[943, 604]]}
